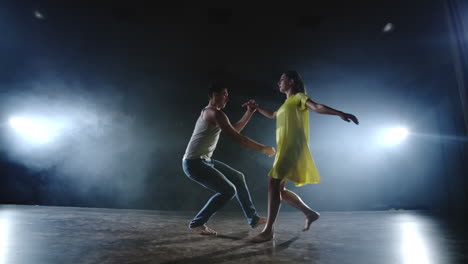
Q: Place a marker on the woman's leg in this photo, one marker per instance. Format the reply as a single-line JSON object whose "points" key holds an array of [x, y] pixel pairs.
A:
{"points": [[274, 202], [295, 201]]}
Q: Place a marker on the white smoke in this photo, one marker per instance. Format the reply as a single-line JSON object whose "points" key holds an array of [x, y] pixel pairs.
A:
{"points": [[97, 145]]}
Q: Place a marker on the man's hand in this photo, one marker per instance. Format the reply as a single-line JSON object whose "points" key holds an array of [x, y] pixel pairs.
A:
{"points": [[269, 151], [349, 117], [251, 105]]}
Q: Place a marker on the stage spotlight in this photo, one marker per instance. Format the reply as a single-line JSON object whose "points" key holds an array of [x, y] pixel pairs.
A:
{"points": [[34, 130], [394, 135], [389, 27], [39, 15]]}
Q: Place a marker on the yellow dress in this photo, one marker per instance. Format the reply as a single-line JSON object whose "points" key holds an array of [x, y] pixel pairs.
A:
{"points": [[293, 160]]}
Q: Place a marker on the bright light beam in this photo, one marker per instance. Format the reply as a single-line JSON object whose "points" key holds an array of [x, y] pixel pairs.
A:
{"points": [[394, 136], [4, 226], [37, 130], [413, 247]]}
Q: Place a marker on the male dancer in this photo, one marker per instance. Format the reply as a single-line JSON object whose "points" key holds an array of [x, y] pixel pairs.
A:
{"points": [[215, 175]]}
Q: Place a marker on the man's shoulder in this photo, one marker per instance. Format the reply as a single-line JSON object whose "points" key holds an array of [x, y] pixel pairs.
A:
{"points": [[212, 114], [210, 111]]}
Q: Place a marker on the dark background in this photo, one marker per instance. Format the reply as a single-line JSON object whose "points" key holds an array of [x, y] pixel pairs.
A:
{"points": [[126, 83]]}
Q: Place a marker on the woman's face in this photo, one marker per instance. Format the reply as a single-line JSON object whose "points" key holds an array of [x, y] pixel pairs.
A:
{"points": [[284, 83]]}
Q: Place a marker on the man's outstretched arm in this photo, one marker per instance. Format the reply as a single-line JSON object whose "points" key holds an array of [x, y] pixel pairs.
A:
{"points": [[220, 118], [239, 126]]}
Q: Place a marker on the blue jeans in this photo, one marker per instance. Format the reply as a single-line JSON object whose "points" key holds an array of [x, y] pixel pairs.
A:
{"points": [[225, 182]]}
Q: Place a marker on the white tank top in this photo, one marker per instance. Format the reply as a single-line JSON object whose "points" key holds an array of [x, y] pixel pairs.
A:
{"points": [[204, 139]]}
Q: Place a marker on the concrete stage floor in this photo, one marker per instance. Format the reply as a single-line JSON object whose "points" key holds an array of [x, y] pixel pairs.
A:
{"points": [[39, 234]]}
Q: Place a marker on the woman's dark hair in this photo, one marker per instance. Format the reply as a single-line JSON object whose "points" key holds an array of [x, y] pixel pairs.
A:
{"points": [[215, 87], [298, 82]]}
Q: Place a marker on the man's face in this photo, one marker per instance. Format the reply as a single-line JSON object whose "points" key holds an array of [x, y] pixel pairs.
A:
{"points": [[221, 98]]}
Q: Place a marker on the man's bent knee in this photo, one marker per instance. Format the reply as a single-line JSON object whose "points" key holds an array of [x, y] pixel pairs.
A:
{"points": [[240, 177], [229, 192]]}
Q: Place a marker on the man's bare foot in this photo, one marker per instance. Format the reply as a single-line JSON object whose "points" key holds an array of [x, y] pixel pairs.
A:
{"points": [[310, 218], [203, 230], [260, 221], [262, 237]]}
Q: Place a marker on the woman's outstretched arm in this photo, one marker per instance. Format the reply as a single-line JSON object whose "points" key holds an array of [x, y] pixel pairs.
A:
{"points": [[323, 109], [266, 113]]}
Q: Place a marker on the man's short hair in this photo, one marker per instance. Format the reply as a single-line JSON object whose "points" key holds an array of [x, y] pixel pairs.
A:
{"points": [[215, 87]]}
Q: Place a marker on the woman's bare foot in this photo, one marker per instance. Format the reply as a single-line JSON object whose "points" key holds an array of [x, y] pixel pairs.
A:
{"points": [[260, 221], [310, 218], [203, 230], [262, 237]]}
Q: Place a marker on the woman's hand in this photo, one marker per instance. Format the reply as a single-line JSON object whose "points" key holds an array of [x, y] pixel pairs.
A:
{"points": [[251, 105], [349, 117]]}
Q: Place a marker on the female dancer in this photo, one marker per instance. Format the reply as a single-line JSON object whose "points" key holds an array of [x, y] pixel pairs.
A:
{"points": [[293, 160]]}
